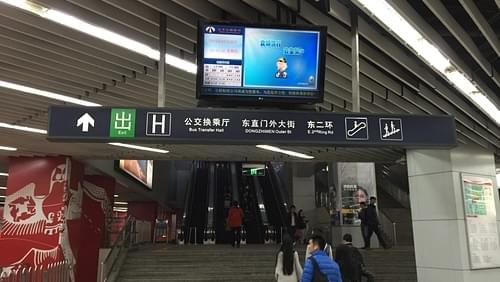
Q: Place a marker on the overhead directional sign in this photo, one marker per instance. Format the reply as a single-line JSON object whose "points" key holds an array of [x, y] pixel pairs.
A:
{"points": [[233, 126], [84, 121]]}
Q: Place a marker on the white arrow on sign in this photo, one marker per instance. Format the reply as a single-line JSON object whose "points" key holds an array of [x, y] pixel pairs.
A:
{"points": [[84, 121]]}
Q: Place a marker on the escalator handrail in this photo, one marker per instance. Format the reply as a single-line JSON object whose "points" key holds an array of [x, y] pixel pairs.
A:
{"points": [[277, 196], [189, 196]]}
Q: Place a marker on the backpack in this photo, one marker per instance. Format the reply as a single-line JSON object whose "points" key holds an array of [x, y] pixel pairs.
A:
{"points": [[352, 267], [318, 276]]}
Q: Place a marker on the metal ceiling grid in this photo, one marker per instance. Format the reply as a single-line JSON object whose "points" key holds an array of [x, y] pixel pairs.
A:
{"points": [[45, 55]]}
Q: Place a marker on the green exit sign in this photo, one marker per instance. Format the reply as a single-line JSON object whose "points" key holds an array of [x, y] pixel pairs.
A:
{"points": [[122, 123]]}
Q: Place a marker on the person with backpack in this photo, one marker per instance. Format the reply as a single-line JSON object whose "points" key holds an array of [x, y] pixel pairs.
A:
{"points": [[351, 261], [319, 267], [288, 268], [235, 221], [327, 248]]}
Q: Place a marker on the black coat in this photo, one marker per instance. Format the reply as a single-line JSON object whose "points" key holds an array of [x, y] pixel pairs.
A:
{"points": [[350, 262], [371, 216]]}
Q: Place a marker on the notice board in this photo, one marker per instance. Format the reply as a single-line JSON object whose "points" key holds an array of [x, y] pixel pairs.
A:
{"points": [[481, 221]]}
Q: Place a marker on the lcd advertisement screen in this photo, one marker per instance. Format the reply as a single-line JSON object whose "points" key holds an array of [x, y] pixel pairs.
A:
{"points": [[141, 170], [261, 63]]}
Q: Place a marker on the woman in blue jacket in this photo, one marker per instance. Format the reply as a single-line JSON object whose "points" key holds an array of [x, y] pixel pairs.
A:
{"points": [[327, 266]]}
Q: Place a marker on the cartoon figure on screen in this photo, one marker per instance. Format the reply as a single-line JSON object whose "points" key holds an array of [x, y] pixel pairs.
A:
{"points": [[281, 67]]}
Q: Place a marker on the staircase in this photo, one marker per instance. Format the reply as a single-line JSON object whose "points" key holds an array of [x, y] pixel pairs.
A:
{"points": [[391, 265], [249, 263], [397, 213]]}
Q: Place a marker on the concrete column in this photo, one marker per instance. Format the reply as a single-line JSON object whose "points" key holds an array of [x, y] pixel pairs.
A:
{"points": [[441, 247], [303, 186]]}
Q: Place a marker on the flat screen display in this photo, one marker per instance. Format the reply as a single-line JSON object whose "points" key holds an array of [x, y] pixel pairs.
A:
{"points": [[261, 63], [141, 170]]}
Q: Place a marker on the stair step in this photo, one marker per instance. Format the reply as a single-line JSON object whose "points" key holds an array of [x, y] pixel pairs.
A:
{"points": [[249, 263]]}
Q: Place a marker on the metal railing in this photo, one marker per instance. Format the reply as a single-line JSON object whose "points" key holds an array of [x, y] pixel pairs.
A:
{"points": [[389, 224], [54, 272], [125, 238]]}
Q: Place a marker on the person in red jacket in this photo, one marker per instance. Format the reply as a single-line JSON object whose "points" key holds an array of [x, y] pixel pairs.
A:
{"points": [[235, 220]]}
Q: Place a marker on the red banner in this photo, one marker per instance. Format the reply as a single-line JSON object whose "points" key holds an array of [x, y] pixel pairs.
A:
{"points": [[96, 223], [41, 212]]}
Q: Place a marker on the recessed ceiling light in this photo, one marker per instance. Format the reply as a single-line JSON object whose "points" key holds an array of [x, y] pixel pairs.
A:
{"points": [[287, 152], [23, 128], [6, 148], [47, 94], [142, 148], [398, 25], [101, 33]]}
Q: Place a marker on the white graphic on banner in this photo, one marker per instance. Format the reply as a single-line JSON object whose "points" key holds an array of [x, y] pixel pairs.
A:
{"points": [[158, 123], [391, 129], [85, 121], [356, 128]]}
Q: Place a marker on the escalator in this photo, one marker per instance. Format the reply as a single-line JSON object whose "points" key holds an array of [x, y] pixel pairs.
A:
{"points": [[223, 188], [250, 205], [213, 183], [196, 211], [273, 201]]}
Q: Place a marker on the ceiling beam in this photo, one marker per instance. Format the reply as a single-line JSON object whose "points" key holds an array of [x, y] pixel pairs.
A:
{"points": [[483, 25], [461, 35]]}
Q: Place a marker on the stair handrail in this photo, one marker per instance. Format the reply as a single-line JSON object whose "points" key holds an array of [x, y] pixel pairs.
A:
{"points": [[385, 217], [123, 241]]}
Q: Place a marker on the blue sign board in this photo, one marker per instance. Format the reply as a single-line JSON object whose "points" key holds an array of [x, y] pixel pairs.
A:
{"points": [[232, 126]]}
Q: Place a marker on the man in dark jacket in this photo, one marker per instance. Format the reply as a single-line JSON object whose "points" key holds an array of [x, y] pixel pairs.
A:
{"points": [[351, 261], [362, 215], [372, 224], [327, 266]]}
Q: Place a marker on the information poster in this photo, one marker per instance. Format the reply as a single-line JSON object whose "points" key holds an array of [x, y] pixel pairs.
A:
{"points": [[480, 217], [357, 184]]}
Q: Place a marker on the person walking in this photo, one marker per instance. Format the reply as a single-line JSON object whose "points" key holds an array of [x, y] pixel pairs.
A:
{"points": [[288, 268], [319, 266], [327, 248], [351, 261], [373, 224], [235, 221], [301, 227], [292, 221], [362, 215]]}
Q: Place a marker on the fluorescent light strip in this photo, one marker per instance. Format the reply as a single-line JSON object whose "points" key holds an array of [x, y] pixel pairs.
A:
{"points": [[47, 94], [2, 196], [4, 174], [286, 152], [3, 188], [142, 148], [121, 203], [101, 33], [6, 148], [394, 22], [120, 209], [116, 196], [22, 128]]}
